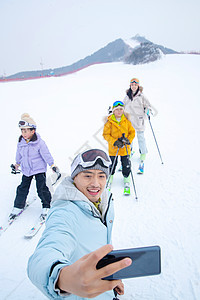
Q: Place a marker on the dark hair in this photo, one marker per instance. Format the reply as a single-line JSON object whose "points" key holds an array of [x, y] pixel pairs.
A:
{"points": [[130, 94], [34, 137]]}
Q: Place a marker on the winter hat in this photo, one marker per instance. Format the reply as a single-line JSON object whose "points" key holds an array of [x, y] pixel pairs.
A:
{"points": [[135, 80], [117, 104], [26, 121], [96, 166], [92, 159]]}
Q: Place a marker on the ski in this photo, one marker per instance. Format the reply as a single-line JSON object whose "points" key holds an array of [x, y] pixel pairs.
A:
{"points": [[7, 224], [140, 172], [34, 229]]}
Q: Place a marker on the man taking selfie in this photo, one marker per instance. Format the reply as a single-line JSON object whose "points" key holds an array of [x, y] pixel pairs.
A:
{"points": [[77, 235]]}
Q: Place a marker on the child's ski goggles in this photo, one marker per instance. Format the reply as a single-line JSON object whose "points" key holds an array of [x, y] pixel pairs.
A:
{"points": [[118, 103], [89, 158], [135, 80], [24, 124]]}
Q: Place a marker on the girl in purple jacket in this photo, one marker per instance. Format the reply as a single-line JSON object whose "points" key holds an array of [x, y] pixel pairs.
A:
{"points": [[32, 156]]}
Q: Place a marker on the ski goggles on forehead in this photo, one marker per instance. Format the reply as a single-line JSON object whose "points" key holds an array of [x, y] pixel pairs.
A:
{"points": [[135, 80], [24, 123], [89, 158], [118, 103]]}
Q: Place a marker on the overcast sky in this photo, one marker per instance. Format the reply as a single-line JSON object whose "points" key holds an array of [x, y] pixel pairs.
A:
{"points": [[57, 33]]}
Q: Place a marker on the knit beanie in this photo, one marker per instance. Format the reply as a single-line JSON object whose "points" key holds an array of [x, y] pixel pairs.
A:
{"points": [[97, 166], [26, 118]]}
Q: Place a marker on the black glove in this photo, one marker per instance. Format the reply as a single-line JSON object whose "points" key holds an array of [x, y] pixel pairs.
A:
{"points": [[118, 143], [125, 140]]}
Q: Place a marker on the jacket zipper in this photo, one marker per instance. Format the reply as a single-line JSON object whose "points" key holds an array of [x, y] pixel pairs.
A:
{"points": [[104, 221]]}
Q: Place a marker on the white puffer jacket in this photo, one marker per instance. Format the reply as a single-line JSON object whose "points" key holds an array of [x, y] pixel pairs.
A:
{"points": [[137, 108]]}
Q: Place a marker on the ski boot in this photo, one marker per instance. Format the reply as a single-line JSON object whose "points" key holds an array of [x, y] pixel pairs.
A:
{"points": [[141, 168], [44, 213], [110, 182], [15, 213], [127, 185], [141, 165]]}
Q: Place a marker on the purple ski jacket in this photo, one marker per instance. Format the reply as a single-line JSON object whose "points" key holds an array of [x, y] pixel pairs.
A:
{"points": [[33, 156]]}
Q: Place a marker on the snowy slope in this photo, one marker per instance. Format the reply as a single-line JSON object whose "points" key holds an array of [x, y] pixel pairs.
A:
{"points": [[69, 111]]}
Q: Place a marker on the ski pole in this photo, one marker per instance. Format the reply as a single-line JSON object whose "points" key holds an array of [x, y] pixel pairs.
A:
{"points": [[115, 293], [112, 167], [155, 139], [136, 197], [58, 175]]}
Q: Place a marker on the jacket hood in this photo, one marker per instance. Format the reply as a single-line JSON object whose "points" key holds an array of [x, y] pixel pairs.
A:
{"points": [[141, 89], [67, 191], [130, 94], [35, 139]]}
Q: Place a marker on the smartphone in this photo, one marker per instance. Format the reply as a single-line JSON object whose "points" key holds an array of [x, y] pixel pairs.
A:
{"points": [[146, 261]]}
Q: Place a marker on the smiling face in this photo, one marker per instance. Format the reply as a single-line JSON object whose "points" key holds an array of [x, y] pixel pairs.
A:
{"points": [[118, 112], [134, 86], [91, 183]]}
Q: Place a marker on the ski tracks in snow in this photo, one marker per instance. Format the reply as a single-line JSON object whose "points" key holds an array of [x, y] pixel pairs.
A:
{"points": [[167, 201]]}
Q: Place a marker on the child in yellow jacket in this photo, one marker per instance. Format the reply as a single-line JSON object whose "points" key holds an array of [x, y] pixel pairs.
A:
{"points": [[117, 127]]}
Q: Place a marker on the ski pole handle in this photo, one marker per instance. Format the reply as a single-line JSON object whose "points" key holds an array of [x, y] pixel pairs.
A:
{"points": [[54, 169], [14, 171], [12, 166], [125, 140]]}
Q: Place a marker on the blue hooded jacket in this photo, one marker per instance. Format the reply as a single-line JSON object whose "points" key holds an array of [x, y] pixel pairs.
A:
{"points": [[74, 228]]}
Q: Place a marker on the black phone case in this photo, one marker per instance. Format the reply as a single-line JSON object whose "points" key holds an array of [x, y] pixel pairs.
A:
{"points": [[146, 261]]}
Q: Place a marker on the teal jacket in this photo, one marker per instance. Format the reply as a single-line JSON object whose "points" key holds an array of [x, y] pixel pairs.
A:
{"points": [[74, 227]]}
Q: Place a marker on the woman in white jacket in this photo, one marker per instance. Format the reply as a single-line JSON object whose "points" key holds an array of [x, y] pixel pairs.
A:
{"points": [[138, 106]]}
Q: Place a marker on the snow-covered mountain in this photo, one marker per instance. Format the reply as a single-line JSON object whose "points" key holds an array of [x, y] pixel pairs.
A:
{"points": [[144, 53], [69, 112], [137, 50]]}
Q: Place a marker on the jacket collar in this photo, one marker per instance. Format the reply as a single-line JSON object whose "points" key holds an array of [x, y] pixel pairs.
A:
{"points": [[115, 120], [33, 139], [67, 191]]}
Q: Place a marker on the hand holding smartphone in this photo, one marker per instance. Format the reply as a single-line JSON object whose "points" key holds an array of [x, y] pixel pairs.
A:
{"points": [[146, 261]]}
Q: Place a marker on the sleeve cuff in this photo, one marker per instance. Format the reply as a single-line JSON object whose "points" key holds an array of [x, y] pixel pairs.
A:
{"points": [[53, 278]]}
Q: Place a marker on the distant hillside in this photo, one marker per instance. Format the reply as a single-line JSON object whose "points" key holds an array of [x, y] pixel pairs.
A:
{"points": [[145, 53], [137, 50]]}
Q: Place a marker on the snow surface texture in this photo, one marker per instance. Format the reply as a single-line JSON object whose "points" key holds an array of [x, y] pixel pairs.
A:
{"points": [[69, 112]]}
